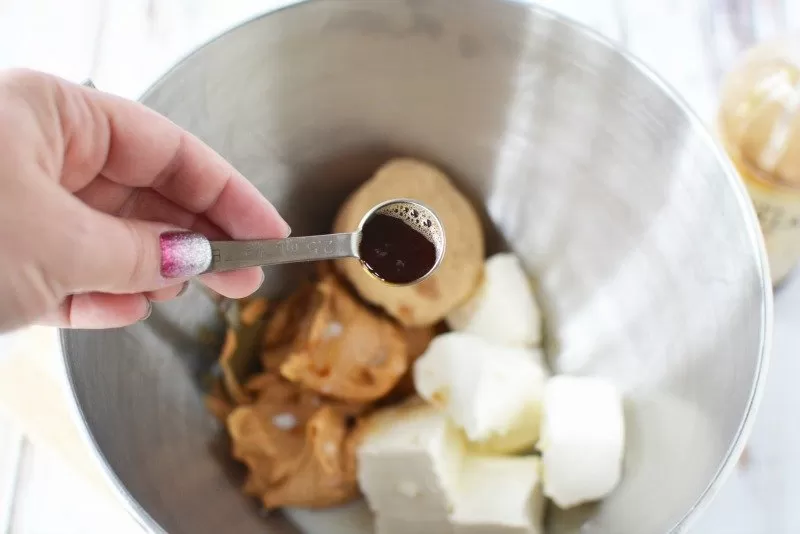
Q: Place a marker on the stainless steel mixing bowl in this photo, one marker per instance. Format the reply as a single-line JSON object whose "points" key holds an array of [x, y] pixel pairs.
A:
{"points": [[643, 243]]}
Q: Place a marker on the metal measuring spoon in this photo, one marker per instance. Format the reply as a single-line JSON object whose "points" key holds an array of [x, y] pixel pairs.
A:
{"points": [[399, 241]]}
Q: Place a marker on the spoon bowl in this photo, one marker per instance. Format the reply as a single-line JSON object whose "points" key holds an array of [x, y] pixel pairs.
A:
{"points": [[417, 230]]}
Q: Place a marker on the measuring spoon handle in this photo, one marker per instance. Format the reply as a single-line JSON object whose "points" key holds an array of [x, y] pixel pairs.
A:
{"points": [[230, 255]]}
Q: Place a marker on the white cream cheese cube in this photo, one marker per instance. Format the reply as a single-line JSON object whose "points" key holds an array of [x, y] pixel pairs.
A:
{"points": [[520, 437], [412, 525], [409, 461], [499, 495], [493, 392], [351, 518], [503, 308], [582, 439]]}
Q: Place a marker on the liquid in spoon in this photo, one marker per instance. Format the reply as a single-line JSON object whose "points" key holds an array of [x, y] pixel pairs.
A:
{"points": [[396, 251]]}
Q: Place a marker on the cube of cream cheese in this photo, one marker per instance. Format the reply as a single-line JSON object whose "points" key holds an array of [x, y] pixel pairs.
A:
{"points": [[521, 437], [412, 525], [496, 495], [351, 518], [503, 308], [409, 460], [582, 439], [492, 391], [499, 495]]}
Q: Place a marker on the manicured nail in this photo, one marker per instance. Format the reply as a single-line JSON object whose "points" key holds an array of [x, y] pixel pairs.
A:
{"points": [[184, 254], [183, 289], [148, 312]]}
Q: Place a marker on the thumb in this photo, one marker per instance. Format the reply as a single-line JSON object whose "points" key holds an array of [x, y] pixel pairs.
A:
{"points": [[121, 255], [130, 256]]}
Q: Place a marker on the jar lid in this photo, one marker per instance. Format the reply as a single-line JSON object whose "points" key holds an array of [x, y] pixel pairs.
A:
{"points": [[760, 110]]}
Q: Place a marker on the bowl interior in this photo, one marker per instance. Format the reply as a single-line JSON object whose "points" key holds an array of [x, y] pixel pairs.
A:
{"points": [[642, 244]]}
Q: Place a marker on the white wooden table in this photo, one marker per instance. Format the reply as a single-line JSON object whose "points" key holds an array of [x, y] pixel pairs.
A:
{"points": [[48, 484]]}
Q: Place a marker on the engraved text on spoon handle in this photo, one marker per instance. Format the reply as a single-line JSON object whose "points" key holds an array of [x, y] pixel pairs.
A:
{"points": [[229, 255]]}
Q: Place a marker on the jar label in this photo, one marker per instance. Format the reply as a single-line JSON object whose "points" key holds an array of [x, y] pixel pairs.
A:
{"points": [[778, 210]]}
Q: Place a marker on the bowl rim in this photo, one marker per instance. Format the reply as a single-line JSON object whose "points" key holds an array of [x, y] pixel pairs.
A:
{"points": [[752, 227]]}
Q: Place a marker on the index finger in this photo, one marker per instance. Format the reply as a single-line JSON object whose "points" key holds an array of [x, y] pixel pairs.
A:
{"points": [[138, 147]]}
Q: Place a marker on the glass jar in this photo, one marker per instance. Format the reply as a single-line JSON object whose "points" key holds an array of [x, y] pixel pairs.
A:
{"points": [[759, 123]]}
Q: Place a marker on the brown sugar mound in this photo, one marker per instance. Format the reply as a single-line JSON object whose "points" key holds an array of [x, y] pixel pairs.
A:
{"points": [[458, 275], [344, 350]]}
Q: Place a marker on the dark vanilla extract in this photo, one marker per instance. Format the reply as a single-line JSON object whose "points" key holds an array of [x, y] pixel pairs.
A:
{"points": [[394, 251]]}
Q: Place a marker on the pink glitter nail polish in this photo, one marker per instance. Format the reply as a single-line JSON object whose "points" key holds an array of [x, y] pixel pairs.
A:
{"points": [[184, 254]]}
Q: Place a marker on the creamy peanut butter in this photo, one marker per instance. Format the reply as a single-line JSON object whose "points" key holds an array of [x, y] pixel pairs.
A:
{"points": [[297, 454], [345, 350]]}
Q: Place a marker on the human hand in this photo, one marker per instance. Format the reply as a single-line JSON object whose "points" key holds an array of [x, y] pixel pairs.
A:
{"points": [[88, 183]]}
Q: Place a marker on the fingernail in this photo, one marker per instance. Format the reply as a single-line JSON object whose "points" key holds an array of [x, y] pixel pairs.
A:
{"points": [[183, 289], [263, 276], [149, 310], [184, 254], [287, 230]]}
